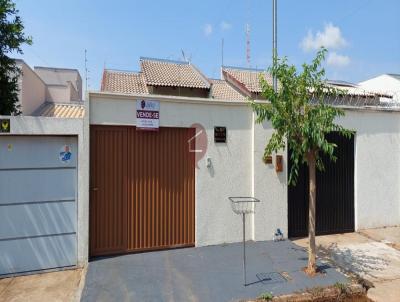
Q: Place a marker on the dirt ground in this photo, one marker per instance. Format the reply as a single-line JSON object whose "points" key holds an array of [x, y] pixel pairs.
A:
{"points": [[59, 286], [372, 254]]}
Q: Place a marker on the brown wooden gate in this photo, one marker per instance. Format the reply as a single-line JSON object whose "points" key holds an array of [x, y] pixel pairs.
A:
{"points": [[142, 189]]}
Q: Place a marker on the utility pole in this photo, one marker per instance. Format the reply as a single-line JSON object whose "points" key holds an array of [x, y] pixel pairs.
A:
{"points": [[274, 40]]}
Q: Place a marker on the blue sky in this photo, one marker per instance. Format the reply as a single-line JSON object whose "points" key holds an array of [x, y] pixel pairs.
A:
{"points": [[363, 35]]}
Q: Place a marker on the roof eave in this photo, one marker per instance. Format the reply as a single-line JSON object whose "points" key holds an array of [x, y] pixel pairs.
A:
{"points": [[236, 83]]}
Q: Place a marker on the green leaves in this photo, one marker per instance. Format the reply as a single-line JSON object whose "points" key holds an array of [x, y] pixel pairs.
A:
{"points": [[299, 112], [11, 39]]}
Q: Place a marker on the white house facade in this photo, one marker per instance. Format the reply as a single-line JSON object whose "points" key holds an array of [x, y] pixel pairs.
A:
{"points": [[149, 162]]}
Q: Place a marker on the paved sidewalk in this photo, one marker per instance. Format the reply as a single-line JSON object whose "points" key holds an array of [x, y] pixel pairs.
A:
{"points": [[63, 286], [212, 273], [388, 235], [373, 259]]}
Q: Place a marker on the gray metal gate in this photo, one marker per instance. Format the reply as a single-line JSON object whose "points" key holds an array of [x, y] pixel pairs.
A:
{"points": [[37, 203]]}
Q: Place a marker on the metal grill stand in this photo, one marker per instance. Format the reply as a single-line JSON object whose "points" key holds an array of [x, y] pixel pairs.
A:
{"points": [[243, 206]]}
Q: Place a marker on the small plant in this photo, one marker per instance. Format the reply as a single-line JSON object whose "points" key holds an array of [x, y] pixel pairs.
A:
{"points": [[316, 291], [341, 287], [267, 296]]}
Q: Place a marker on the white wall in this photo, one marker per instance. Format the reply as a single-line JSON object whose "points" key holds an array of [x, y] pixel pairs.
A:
{"points": [[232, 163], [377, 166], [58, 93], [269, 186], [26, 125], [32, 90], [53, 76], [62, 93], [238, 168]]}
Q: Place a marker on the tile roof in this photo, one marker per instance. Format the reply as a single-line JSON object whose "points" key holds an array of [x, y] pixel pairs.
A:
{"points": [[72, 110], [123, 82], [249, 78], [160, 72], [237, 83], [221, 90]]}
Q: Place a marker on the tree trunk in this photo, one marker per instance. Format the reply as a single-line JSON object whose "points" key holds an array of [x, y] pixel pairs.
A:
{"points": [[311, 161]]}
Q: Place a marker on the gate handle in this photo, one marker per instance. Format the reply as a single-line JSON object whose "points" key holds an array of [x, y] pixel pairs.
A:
{"points": [[95, 189]]}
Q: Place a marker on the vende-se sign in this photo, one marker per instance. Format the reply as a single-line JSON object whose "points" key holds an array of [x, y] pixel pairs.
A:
{"points": [[147, 115]]}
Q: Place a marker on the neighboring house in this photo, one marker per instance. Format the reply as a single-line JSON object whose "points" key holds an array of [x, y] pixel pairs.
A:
{"points": [[63, 84], [52, 91], [385, 84], [353, 95], [32, 89]]}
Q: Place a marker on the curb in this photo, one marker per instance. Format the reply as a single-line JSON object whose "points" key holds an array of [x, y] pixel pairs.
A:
{"points": [[81, 285], [323, 294]]}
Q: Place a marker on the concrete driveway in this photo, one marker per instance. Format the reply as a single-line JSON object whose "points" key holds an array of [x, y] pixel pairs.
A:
{"points": [[371, 254], [212, 273]]}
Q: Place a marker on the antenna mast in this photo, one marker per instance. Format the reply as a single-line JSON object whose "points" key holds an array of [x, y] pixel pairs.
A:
{"points": [[183, 56], [248, 44], [86, 72], [247, 29], [222, 52]]}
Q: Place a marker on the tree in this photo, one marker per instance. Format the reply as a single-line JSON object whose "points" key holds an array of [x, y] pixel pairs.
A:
{"points": [[12, 37], [301, 117]]}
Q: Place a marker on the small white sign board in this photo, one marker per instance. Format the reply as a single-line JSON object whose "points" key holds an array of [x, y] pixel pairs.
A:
{"points": [[147, 115]]}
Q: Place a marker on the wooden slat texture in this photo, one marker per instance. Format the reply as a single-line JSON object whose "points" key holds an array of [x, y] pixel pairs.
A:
{"points": [[108, 186], [162, 174], [154, 176]]}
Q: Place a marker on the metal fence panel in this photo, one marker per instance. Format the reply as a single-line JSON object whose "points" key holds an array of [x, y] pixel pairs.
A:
{"points": [[37, 203], [335, 193]]}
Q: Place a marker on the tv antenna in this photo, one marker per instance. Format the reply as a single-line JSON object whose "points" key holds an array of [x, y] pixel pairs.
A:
{"points": [[86, 72], [183, 56], [222, 52], [248, 44], [247, 30]]}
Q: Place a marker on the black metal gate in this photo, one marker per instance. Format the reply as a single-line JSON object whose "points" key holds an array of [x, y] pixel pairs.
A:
{"points": [[335, 193]]}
